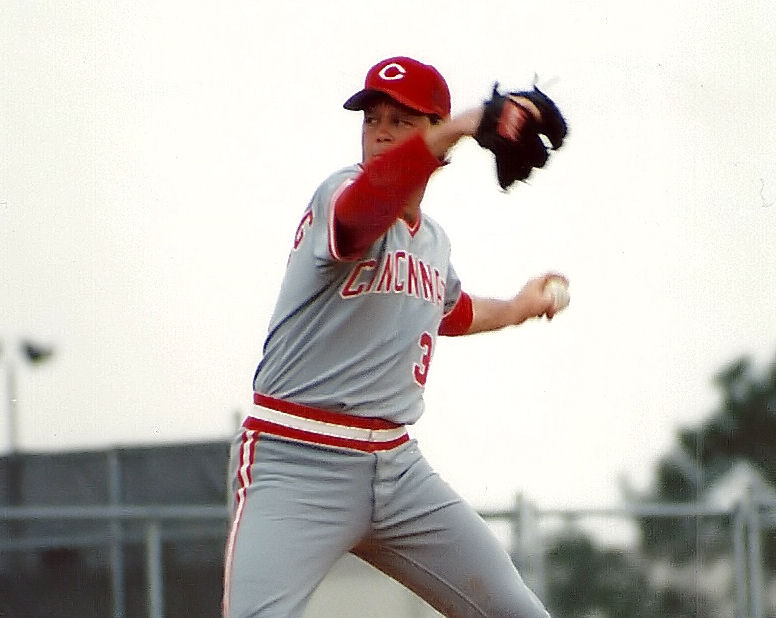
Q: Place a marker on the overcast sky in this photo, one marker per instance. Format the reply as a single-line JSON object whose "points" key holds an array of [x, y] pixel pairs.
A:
{"points": [[156, 158]]}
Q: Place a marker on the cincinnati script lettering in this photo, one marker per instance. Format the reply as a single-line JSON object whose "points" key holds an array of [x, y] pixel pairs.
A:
{"points": [[398, 272]]}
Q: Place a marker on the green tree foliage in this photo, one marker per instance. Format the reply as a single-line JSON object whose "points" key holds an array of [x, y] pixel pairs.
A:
{"points": [[742, 429], [585, 580]]}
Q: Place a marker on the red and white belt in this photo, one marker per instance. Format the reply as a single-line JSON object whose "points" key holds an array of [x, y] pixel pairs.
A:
{"points": [[312, 425]]}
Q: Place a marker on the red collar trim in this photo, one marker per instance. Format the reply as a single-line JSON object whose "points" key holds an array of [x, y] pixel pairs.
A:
{"points": [[413, 229]]}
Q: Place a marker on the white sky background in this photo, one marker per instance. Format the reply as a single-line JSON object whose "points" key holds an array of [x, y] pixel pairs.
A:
{"points": [[156, 158]]}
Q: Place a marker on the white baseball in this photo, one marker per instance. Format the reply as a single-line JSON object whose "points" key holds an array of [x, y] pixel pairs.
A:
{"points": [[557, 290]]}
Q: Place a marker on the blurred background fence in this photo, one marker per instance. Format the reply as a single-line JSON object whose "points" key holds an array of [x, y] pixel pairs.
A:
{"points": [[140, 533], [650, 559]]}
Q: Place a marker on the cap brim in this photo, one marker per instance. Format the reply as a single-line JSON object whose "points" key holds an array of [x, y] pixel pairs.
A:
{"points": [[362, 99]]}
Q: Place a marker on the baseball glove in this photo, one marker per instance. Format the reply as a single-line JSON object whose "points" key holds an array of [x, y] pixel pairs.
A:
{"points": [[511, 132]]}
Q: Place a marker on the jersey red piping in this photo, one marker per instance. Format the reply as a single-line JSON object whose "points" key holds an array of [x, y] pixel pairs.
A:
{"points": [[413, 229], [333, 250], [244, 479]]}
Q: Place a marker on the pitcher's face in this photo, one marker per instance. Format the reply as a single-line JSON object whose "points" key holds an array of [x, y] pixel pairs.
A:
{"points": [[387, 124]]}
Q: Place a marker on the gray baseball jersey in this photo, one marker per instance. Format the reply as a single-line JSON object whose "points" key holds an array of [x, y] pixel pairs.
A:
{"points": [[358, 336]]}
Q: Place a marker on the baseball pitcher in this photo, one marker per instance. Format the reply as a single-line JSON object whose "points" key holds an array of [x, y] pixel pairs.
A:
{"points": [[324, 463]]}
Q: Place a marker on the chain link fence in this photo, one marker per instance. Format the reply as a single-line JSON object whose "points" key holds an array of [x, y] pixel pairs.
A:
{"points": [[166, 561], [720, 562]]}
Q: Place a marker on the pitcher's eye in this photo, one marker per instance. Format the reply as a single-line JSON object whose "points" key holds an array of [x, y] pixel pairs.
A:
{"points": [[404, 122]]}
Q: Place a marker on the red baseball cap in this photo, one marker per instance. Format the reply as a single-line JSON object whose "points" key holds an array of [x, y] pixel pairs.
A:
{"points": [[409, 82]]}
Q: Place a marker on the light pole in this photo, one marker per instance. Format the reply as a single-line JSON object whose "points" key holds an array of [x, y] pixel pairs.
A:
{"points": [[34, 354], [10, 389]]}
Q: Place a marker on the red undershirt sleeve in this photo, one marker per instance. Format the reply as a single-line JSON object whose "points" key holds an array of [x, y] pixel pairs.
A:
{"points": [[458, 321], [370, 205]]}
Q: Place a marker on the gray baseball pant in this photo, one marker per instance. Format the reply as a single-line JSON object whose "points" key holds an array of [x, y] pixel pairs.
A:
{"points": [[300, 507]]}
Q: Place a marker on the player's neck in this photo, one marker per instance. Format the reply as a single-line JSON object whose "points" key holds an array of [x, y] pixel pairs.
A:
{"points": [[411, 211]]}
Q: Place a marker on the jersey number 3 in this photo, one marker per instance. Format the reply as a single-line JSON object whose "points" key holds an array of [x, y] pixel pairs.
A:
{"points": [[420, 371]]}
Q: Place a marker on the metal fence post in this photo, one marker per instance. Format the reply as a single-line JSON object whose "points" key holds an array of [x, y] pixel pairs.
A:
{"points": [[116, 531], [541, 566], [525, 537], [756, 581], [154, 580], [517, 550], [739, 557]]}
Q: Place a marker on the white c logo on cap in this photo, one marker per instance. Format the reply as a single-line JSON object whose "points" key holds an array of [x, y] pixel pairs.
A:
{"points": [[399, 74]]}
